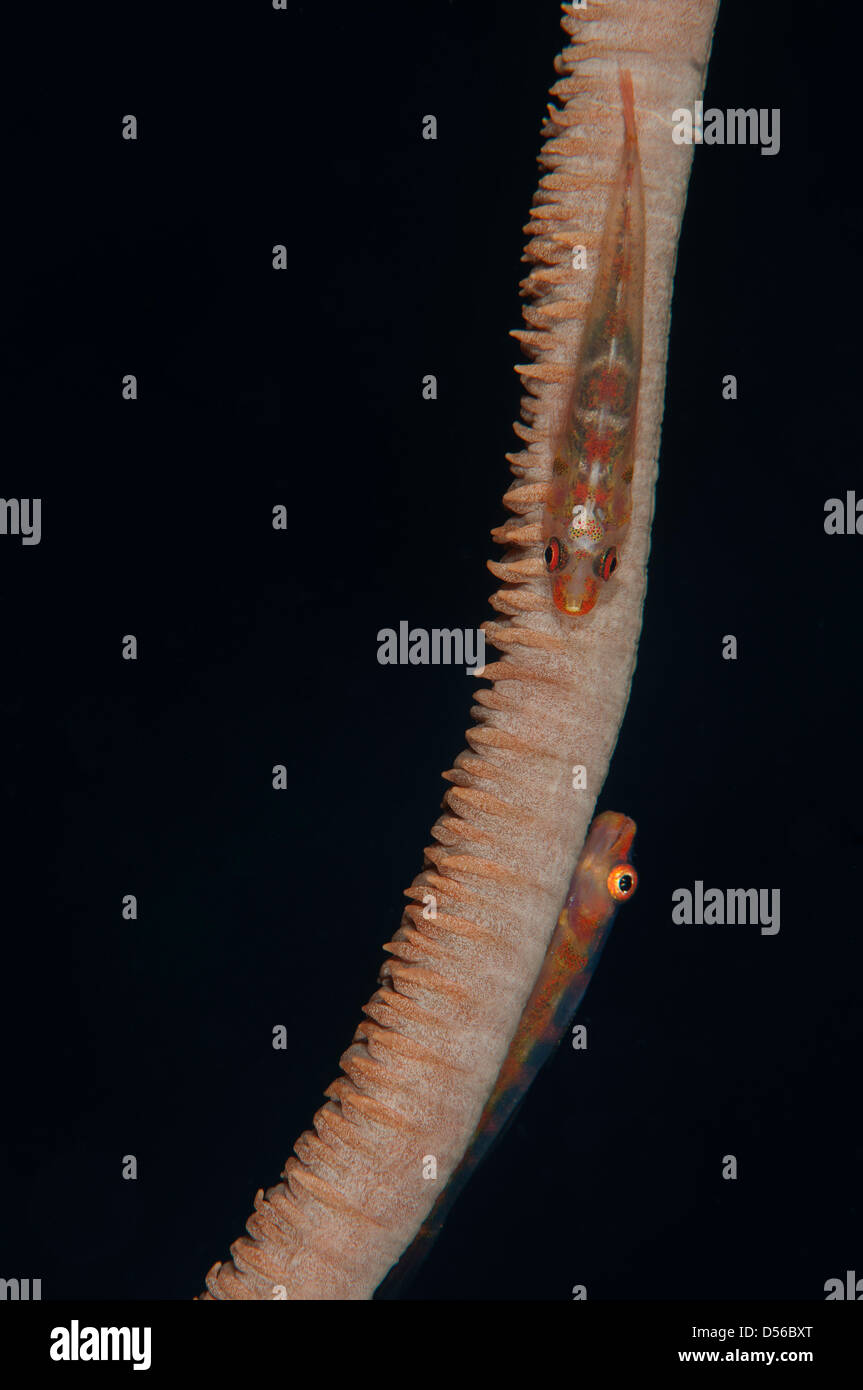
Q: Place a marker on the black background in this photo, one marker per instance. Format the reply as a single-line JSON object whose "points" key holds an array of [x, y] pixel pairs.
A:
{"points": [[259, 647]]}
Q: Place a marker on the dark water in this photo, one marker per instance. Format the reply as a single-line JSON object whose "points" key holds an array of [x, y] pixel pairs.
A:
{"points": [[258, 648]]}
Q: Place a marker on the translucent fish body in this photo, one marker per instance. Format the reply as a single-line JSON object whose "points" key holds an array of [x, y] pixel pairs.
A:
{"points": [[595, 892], [586, 517]]}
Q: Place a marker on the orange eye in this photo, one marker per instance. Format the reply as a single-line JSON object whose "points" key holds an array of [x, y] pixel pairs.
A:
{"points": [[622, 882], [606, 563], [553, 554]]}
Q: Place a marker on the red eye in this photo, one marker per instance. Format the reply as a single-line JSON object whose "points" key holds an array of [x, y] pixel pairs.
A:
{"points": [[607, 562], [622, 882], [552, 554]]}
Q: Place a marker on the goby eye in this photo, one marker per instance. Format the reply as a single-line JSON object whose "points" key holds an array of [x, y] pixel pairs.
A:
{"points": [[556, 555], [606, 563], [622, 882]]}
